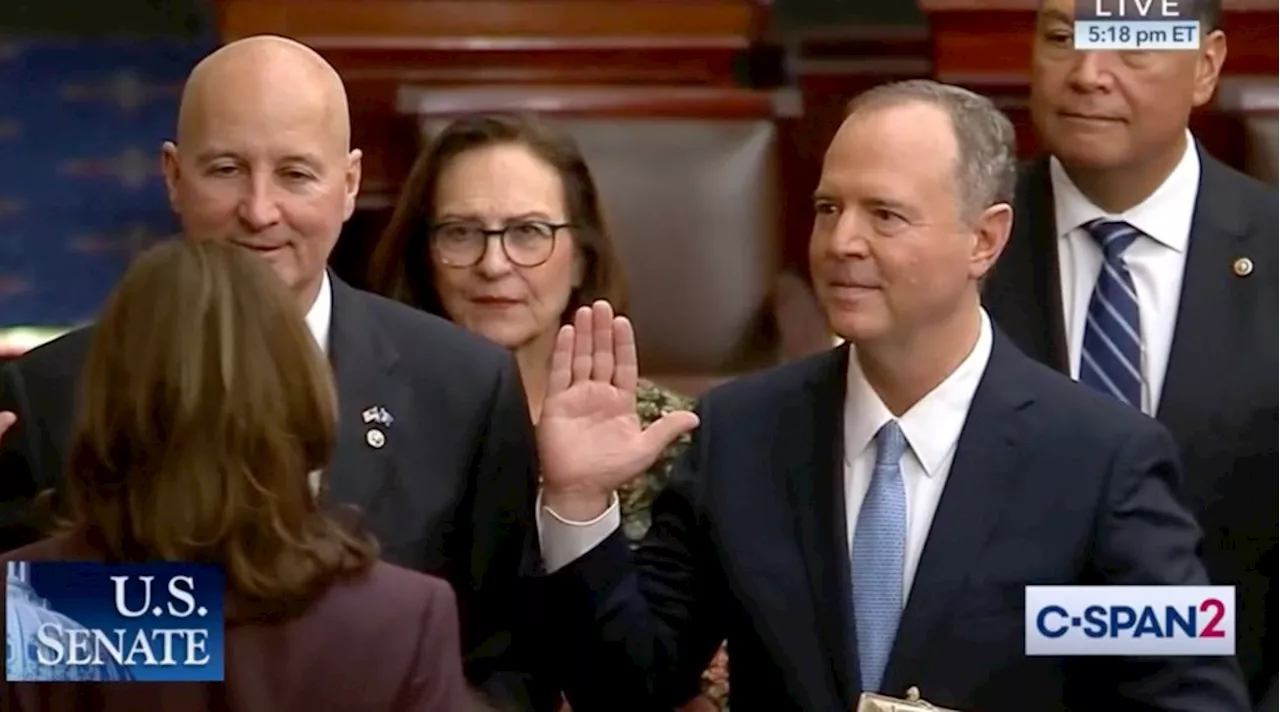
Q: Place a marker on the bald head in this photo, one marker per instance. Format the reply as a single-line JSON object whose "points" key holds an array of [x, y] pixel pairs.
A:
{"points": [[263, 156], [266, 65]]}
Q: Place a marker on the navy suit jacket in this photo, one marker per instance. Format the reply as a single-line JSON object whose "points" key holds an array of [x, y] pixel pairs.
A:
{"points": [[1051, 484], [1220, 391]]}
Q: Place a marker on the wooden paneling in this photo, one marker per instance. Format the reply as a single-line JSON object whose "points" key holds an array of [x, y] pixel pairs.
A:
{"points": [[407, 21], [831, 67], [540, 61], [446, 48], [620, 102]]}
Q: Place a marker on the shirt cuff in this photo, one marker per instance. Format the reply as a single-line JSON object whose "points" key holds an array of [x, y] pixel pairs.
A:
{"points": [[563, 541]]}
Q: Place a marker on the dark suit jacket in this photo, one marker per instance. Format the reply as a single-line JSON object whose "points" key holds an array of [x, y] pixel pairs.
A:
{"points": [[1051, 484], [1220, 392], [386, 641], [450, 492]]}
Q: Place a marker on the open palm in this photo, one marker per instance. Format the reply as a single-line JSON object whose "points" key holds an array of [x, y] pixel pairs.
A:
{"points": [[589, 436]]}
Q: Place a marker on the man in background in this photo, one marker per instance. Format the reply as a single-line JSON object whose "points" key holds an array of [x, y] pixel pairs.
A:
{"points": [[1144, 267], [435, 445]]}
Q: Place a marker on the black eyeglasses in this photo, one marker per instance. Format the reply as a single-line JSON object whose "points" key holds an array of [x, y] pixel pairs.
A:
{"points": [[528, 243]]}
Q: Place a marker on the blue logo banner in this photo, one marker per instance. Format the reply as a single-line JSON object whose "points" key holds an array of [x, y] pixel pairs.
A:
{"points": [[80, 621], [81, 191]]}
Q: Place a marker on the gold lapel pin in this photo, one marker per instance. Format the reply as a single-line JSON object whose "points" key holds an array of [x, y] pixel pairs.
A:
{"points": [[375, 438], [1243, 266]]}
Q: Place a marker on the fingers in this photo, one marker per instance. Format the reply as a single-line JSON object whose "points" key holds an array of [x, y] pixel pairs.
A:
{"points": [[658, 436], [7, 420], [602, 361], [583, 358], [561, 361], [626, 370]]}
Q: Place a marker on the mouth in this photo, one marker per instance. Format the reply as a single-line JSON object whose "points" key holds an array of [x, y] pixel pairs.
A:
{"points": [[846, 291], [495, 301], [1089, 118], [260, 249]]}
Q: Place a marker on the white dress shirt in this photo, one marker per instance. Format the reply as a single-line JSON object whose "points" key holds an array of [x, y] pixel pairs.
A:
{"points": [[319, 317], [932, 428], [320, 314], [1156, 261]]}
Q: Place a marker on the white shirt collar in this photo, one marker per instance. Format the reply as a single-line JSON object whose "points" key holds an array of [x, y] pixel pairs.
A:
{"points": [[932, 426], [320, 314], [1165, 216]]}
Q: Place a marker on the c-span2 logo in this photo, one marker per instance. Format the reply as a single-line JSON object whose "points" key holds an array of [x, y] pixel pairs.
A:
{"points": [[80, 621], [1131, 620]]}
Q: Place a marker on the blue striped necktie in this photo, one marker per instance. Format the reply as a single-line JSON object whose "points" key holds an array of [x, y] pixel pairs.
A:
{"points": [[1111, 359], [878, 557]]}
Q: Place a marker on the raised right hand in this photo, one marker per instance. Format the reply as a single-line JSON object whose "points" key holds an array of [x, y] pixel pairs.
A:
{"points": [[590, 440]]}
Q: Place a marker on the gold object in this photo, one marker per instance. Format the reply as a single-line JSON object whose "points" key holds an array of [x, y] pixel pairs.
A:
{"points": [[1243, 266], [871, 702]]}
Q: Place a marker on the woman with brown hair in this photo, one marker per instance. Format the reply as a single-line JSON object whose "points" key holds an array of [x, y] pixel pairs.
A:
{"points": [[499, 228], [205, 406]]}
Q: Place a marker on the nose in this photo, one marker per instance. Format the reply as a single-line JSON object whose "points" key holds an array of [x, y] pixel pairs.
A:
{"points": [[494, 263], [847, 239], [1089, 71], [258, 207]]}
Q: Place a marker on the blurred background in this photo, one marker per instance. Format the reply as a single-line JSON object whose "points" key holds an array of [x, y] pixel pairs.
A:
{"points": [[703, 120]]}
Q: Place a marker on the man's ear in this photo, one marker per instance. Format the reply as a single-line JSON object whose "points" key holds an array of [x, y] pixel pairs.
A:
{"points": [[1209, 60], [991, 234], [172, 172], [355, 168]]}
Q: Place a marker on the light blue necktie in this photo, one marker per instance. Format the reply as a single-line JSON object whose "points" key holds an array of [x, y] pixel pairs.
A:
{"points": [[1111, 359], [879, 553]]}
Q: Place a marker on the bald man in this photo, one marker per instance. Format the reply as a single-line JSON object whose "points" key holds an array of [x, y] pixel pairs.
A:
{"points": [[435, 444]]}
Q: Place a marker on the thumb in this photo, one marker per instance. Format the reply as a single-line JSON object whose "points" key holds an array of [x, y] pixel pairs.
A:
{"points": [[658, 436]]}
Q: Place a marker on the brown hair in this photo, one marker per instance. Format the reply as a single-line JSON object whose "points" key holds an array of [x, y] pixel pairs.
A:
{"points": [[400, 265], [205, 403]]}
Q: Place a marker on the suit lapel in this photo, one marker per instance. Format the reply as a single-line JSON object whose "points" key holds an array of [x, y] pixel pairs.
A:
{"points": [[815, 447], [1034, 299], [363, 360], [1048, 276], [987, 456], [1214, 301]]}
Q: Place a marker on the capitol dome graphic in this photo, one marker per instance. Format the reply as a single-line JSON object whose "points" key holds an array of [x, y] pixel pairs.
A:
{"points": [[25, 611]]}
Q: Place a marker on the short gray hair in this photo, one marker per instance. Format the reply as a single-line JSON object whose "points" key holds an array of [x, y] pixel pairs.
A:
{"points": [[987, 161]]}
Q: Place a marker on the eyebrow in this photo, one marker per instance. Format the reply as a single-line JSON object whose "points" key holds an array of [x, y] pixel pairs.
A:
{"points": [[307, 159], [1055, 15], [893, 205], [534, 215]]}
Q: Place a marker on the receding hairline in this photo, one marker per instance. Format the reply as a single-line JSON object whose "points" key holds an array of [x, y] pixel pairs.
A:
{"points": [[984, 139], [279, 54]]}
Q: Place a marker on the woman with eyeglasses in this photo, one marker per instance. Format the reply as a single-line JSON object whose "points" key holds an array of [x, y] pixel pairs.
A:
{"points": [[499, 229]]}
